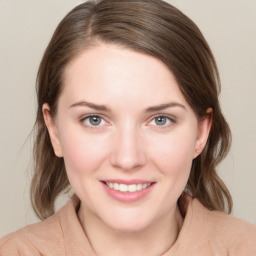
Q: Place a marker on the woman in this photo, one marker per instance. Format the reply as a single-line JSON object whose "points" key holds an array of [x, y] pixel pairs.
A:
{"points": [[128, 117]]}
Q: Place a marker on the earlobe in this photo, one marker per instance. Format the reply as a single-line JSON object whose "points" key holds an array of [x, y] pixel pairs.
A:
{"points": [[204, 128], [52, 130]]}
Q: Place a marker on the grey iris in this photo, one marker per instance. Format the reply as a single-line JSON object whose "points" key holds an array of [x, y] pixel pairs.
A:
{"points": [[95, 120], [161, 120]]}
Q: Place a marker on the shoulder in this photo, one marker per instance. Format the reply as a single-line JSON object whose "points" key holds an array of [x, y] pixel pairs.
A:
{"points": [[238, 237], [42, 238]]}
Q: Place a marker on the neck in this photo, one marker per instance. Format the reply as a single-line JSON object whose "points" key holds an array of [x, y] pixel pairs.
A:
{"points": [[154, 240]]}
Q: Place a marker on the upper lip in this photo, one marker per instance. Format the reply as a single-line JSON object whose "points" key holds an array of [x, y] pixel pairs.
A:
{"points": [[128, 182]]}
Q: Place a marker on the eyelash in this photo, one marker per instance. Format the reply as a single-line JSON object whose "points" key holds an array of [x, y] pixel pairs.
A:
{"points": [[170, 118], [83, 119]]}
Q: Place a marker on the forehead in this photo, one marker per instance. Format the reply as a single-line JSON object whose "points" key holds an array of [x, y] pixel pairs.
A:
{"points": [[105, 73]]}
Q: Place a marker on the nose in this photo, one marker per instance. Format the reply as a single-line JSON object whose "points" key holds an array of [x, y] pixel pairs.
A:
{"points": [[128, 152]]}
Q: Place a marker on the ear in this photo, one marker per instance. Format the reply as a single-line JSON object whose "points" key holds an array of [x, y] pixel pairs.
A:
{"points": [[52, 129], [204, 128]]}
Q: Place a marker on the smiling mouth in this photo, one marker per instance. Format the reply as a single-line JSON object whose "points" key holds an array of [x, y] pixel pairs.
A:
{"points": [[127, 188], [128, 191]]}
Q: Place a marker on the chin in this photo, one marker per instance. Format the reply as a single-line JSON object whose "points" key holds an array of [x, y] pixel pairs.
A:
{"points": [[127, 223]]}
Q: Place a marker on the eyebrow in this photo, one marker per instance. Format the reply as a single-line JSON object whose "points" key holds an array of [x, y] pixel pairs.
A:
{"points": [[91, 105], [106, 109], [164, 106]]}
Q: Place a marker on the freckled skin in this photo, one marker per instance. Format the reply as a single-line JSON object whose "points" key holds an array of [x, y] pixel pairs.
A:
{"points": [[128, 144]]}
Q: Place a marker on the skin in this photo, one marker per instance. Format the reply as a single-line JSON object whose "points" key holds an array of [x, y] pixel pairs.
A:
{"points": [[128, 143]]}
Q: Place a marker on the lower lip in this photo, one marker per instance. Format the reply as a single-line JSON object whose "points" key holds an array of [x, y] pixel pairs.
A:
{"points": [[128, 197]]}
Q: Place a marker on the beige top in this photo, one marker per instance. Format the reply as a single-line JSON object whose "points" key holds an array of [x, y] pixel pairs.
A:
{"points": [[204, 233]]}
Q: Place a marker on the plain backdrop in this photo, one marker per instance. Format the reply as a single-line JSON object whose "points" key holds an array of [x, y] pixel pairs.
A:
{"points": [[25, 29]]}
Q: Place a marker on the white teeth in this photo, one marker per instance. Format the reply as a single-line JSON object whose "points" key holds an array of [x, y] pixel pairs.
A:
{"points": [[132, 188], [144, 186], [139, 187], [127, 188], [123, 188], [116, 186]]}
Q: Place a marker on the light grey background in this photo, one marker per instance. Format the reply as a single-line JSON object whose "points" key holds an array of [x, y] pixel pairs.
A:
{"points": [[25, 29]]}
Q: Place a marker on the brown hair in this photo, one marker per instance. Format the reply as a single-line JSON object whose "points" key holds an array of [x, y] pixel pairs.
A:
{"points": [[153, 27]]}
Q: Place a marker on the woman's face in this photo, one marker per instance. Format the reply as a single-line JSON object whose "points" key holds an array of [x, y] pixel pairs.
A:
{"points": [[127, 135]]}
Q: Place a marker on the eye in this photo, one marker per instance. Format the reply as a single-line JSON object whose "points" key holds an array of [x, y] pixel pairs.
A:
{"points": [[93, 120], [162, 120]]}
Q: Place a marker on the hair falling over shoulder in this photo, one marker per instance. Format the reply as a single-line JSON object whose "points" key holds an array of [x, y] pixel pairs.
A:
{"points": [[152, 27]]}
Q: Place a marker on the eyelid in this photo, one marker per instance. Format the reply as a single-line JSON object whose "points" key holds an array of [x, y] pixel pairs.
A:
{"points": [[172, 119], [84, 117]]}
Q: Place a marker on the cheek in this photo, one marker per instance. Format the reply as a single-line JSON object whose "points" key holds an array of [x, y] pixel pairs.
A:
{"points": [[82, 152], [173, 153]]}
